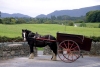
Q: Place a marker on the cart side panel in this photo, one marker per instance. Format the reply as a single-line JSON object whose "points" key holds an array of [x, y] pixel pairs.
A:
{"points": [[84, 43], [62, 36], [87, 44]]}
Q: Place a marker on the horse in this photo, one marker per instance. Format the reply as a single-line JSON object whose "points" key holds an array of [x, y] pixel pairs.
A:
{"points": [[32, 40]]}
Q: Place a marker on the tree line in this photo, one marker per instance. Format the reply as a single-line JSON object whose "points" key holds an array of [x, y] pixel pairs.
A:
{"points": [[91, 16], [52, 20]]}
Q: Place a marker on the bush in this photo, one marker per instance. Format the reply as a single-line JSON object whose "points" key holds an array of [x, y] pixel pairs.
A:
{"points": [[70, 23], [8, 39], [82, 25], [95, 39], [99, 26], [19, 39]]}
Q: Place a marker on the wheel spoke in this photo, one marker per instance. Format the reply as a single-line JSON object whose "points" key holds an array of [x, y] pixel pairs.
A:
{"points": [[65, 45], [75, 55], [64, 58], [71, 45], [68, 44], [68, 55], [62, 47], [72, 56], [60, 51], [74, 48]]}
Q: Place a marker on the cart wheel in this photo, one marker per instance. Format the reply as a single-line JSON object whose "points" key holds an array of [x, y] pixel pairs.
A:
{"points": [[68, 51]]}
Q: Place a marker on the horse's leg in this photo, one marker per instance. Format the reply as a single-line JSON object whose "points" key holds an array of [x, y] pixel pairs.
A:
{"points": [[31, 52], [53, 47]]}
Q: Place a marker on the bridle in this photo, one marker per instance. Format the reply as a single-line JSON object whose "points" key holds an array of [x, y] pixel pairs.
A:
{"points": [[28, 35]]}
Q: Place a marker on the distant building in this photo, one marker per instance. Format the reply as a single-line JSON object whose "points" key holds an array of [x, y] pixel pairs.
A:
{"points": [[75, 25]]}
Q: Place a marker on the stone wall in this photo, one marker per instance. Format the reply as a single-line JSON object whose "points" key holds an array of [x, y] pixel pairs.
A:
{"points": [[95, 50], [47, 50], [18, 49], [14, 49]]}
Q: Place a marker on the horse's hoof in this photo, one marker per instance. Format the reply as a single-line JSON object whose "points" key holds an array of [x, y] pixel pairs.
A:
{"points": [[31, 56], [53, 59]]}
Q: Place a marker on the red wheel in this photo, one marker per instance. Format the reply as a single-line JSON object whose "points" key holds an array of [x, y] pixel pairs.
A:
{"points": [[68, 51]]}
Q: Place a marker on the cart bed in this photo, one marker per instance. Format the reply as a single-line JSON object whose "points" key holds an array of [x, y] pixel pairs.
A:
{"points": [[83, 42]]}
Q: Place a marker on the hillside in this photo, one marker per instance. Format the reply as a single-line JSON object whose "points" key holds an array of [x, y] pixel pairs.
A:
{"points": [[72, 13], [3, 15]]}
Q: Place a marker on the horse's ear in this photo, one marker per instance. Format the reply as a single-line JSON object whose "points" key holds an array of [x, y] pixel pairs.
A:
{"points": [[36, 32], [25, 29], [22, 30]]}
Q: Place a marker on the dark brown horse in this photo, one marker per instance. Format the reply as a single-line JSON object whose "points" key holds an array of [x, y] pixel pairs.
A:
{"points": [[32, 40]]}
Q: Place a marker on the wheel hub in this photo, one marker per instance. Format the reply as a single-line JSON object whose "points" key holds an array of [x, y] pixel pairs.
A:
{"points": [[68, 51]]}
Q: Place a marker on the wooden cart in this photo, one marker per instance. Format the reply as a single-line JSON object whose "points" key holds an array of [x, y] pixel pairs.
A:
{"points": [[69, 46]]}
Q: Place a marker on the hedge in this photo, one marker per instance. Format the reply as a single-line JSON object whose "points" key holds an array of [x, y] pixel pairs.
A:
{"points": [[95, 39], [19, 39], [8, 39]]}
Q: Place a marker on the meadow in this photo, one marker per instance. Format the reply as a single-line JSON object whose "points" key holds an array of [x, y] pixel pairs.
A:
{"points": [[15, 30], [91, 25]]}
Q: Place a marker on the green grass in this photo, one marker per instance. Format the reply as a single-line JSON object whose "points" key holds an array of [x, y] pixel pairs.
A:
{"points": [[40, 48], [93, 25], [15, 30], [90, 25]]}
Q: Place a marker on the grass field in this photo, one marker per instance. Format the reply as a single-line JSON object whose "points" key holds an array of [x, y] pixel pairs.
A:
{"points": [[91, 25], [15, 30]]}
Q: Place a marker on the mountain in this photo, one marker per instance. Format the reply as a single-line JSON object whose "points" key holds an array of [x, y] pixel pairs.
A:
{"points": [[72, 13], [3, 15], [41, 16]]}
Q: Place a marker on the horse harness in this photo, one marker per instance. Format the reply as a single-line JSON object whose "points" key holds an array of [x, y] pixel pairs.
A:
{"points": [[40, 39]]}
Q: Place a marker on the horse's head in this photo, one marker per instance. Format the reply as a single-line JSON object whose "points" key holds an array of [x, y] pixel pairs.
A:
{"points": [[26, 34]]}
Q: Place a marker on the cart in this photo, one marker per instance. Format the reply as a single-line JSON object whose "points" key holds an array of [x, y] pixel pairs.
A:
{"points": [[69, 46]]}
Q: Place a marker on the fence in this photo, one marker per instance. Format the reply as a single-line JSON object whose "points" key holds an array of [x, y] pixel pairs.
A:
{"points": [[14, 49]]}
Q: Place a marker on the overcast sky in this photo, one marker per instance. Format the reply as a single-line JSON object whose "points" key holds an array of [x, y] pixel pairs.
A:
{"points": [[37, 7]]}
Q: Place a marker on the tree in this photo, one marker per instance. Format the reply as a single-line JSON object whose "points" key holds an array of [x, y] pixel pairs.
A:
{"points": [[82, 24], [20, 21], [53, 18], [12, 20], [99, 26], [93, 16], [8, 20], [5, 20], [0, 21], [98, 16], [70, 23]]}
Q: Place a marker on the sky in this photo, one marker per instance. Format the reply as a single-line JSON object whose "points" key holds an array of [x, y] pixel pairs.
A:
{"points": [[36, 7]]}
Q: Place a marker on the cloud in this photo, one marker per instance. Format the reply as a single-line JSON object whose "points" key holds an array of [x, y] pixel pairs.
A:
{"points": [[36, 7]]}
